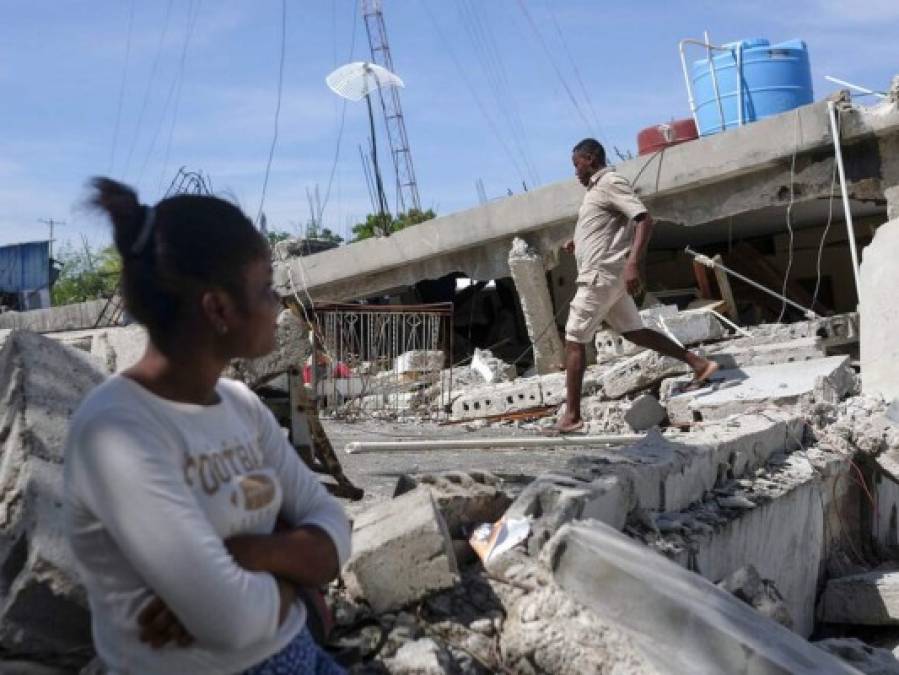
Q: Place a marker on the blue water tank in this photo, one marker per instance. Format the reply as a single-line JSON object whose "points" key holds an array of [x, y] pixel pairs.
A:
{"points": [[775, 78]]}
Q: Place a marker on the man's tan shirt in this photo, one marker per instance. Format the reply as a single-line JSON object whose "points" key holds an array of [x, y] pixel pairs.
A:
{"points": [[605, 231]]}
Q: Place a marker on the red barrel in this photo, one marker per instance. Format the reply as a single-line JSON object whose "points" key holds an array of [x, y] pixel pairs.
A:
{"points": [[661, 136]]}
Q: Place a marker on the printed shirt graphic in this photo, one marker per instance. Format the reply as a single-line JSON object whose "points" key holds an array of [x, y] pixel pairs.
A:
{"points": [[605, 231], [153, 488]]}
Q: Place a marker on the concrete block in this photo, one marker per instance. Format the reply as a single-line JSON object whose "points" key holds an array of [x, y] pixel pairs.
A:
{"points": [[681, 621], [491, 369], [879, 277], [402, 551], [645, 412], [419, 361], [498, 399], [690, 327], [870, 599], [738, 390], [638, 372], [760, 594]]}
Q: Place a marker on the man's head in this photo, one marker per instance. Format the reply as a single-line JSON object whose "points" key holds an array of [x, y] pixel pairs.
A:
{"points": [[588, 157]]}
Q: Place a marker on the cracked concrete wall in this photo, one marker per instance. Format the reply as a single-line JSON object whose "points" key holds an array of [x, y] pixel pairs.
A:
{"points": [[879, 278]]}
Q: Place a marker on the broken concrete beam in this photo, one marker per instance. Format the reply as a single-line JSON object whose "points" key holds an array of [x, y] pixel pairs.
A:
{"points": [[735, 391], [801, 349], [779, 522], [402, 552], [491, 369], [660, 473], [867, 659], [529, 274], [419, 361], [638, 372], [682, 622], [870, 599], [689, 327], [291, 351], [645, 412], [879, 277]]}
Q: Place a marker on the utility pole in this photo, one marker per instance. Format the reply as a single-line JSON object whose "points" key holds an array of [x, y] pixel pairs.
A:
{"points": [[406, 185], [52, 224]]}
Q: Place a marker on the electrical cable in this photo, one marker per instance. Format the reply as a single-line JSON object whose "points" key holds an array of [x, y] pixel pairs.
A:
{"points": [[150, 82], [118, 116], [833, 183], [271, 152], [796, 134]]}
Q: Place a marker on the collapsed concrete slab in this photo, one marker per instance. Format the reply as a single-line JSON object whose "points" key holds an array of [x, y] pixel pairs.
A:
{"points": [[291, 351], [402, 552], [738, 390], [118, 347], [77, 316], [768, 354], [870, 599], [682, 622], [661, 473], [529, 274], [42, 606], [879, 277]]}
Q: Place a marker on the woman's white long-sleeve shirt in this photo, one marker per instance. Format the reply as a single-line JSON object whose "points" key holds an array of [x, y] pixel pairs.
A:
{"points": [[153, 488]]}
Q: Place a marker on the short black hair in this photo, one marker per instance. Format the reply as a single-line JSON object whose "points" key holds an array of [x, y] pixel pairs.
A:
{"points": [[592, 147]]}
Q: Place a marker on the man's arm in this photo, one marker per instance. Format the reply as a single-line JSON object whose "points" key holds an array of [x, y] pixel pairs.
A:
{"points": [[644, 225]]}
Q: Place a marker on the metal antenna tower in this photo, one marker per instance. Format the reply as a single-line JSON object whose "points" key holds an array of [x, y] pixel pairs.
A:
{"points": [[406, 185]]}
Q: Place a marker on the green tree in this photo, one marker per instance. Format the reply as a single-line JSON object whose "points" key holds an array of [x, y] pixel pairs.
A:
{"points": [[314, 231], [86, 274], [274, 236], [382, 225]]}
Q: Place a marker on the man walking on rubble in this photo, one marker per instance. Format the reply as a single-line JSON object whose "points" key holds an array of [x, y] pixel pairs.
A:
{"points": [[612, 234]]}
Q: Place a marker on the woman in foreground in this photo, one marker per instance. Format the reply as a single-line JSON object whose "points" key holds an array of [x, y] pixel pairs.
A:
{"points": [[176, 477]]}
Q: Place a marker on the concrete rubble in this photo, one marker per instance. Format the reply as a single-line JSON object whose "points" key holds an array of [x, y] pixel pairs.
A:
{"points": [[870, 599]]}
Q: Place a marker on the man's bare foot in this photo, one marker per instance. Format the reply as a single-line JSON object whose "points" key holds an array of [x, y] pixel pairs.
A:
{"points": [[701, 373], [566, 425]]}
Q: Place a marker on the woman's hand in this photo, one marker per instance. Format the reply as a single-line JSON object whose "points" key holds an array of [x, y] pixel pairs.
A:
{"points": [[159, 626]]}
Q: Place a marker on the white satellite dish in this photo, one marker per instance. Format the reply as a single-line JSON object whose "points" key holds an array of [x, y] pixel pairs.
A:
{"points": [[355, 81]]}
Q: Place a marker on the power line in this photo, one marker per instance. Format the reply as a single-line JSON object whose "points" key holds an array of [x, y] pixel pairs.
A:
{"points": [[150, 81], [52, 224], [271, 152], [118, 115], [549, 57]]}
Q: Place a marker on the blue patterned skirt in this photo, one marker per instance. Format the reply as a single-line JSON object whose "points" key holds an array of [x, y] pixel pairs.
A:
{"points": [[300, 657]]}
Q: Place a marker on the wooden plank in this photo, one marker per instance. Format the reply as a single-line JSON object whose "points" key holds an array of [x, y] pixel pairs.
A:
{"points": [[727, 293]]}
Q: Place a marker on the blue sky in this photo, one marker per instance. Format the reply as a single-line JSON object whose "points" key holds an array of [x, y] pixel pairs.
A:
{"points": [[502, 115]]}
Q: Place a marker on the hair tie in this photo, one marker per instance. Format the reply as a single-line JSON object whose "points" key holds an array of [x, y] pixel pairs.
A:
{"points": [[145, 231]]}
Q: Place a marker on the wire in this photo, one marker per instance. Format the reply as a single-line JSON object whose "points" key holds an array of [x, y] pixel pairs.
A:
{"points": [[474, 94], [192, 22], [833, 183], [796, 134], [118, 116], [271, 152], [336, 159], [549, 57], [150, 81]]}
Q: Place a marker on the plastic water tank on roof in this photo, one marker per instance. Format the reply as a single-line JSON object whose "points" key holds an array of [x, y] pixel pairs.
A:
{"points": [[771, 78]]}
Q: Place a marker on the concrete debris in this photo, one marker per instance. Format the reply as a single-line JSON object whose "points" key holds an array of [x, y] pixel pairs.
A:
{"points": [[422, 657], [490, 368], [78, 316], [870, 599], [402, 552], [879, 276], [638, 372], [118, 347], [645, 412], [463, 498], [529, 274], [499, 399], [674, 615], [693, 326], [801, 349], [865, 658], [730, 392], [760, 594], [43, 608], [419, 361], [292, 351]]}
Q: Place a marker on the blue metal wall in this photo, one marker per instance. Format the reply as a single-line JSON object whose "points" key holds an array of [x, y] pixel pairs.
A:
{"points": [[24, 267]]}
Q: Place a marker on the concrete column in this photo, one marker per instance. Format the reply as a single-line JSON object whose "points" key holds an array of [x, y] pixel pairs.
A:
{"points": [[878, 315], [529, 275], [889, 154]]}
